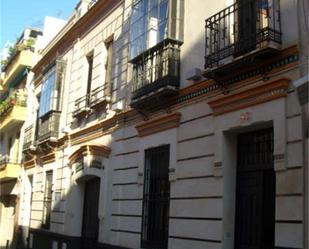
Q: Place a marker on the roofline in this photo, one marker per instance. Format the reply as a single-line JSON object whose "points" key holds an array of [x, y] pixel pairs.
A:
{"points": [[74, 30]]}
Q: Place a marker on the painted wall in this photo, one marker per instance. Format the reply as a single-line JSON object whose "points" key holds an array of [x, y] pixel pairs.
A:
{"points": [[201, 198]]}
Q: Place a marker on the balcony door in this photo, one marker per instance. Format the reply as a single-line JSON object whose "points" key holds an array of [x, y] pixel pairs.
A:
{"points": [[90, 228], [246, 19], [255, 191]]}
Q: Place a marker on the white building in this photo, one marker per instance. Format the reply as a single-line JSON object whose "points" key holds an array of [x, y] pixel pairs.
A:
{"points": [[152, 132]]}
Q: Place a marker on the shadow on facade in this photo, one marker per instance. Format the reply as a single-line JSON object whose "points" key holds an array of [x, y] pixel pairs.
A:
{"points": [[51, 237]]}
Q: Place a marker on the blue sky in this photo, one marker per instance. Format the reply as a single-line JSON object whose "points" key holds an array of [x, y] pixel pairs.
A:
{"points": [[15, 15]]}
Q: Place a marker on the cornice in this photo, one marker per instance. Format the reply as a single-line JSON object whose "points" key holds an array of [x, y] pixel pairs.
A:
{"points": [[250, 96], [158, 124], [77, 30], [29, 164], [49, 158]]}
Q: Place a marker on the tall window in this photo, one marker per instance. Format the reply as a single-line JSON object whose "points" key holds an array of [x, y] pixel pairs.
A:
{"points": [[154, 21], [108, 66], [156, 198], [148, 24], [89, 78], [49, 94], [47, 199]]}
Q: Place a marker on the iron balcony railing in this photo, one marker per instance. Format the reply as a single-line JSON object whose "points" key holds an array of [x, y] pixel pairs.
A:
{"points": [[156, 68], [49, 126], [81, 105], [240, 28], [28, 137], [98, 96]]}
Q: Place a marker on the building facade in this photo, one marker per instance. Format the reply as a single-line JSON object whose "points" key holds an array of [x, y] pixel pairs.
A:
{"points": [[13, 94], [167, 124]]}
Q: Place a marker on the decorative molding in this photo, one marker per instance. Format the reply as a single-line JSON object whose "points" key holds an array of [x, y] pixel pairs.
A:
{"points": [[49, 158], [30, 164], [97, 150], [158, 124], [251, 96], [195, 92]]}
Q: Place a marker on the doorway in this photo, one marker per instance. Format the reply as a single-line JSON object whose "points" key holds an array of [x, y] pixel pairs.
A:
{"points": [[90, 227], [255, 191]]}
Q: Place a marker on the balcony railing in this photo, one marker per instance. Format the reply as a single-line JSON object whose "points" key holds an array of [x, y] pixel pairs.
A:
{"points": [[49, 126], [28, 138], [4, 160], [95, 100], [241, 28], [81, 105], [155, 69], [98, 97]]}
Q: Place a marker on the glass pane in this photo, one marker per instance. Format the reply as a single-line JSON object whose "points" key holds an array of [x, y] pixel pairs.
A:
{"points": [[162, 30], [47, 98], [163, 11]]}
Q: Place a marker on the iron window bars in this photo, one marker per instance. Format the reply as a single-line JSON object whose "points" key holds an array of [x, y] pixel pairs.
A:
{"points": [[156, 198]]}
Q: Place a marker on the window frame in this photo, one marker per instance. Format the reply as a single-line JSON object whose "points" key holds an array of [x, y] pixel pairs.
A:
{"points": [[140, 42], [50, 95]]}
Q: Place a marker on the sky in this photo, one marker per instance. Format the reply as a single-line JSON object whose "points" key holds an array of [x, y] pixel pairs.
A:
{"points": [[16, 15]]}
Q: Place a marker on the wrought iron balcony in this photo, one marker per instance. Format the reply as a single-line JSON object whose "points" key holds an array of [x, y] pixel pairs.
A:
{"points": [[28, 138], [49, 126], [246, 27], [156, 73], [81, 106], [98, 97]]}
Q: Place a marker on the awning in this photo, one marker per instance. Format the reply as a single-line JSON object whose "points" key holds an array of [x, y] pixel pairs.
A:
{"points": [[19, 77]]}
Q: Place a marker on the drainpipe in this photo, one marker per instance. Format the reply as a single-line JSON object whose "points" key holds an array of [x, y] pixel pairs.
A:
{"points": [[301, 86]]}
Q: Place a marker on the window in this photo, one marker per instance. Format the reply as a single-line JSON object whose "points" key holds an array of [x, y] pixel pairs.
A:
{"points": [[108, 65], [156, 198], [47, 199], [153, 21], [49, 94], [148, 25], [89, 78]]}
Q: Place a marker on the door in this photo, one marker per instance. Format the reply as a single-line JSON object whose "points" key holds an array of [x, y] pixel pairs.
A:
{"points": [[156, 198], [90, 226], [246, 16], [47, 203], [255, 191]]}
